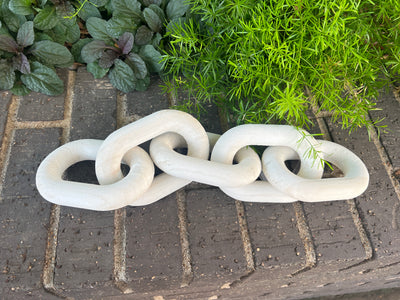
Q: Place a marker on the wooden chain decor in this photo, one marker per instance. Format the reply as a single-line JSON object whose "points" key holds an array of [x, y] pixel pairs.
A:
{"points": [[225, 161]]}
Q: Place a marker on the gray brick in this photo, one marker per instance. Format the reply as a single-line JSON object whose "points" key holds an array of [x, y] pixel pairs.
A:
{"points": [[29, 148], [379, 203], [23, 213], [94, 107], [274, 234], [84, 251], [214, 236], [333, 230], [149, 101], [5, 98], [390, 136], [40, 107], [153, 250]]}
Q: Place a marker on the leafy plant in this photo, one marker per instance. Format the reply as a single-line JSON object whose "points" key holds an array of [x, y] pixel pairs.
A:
{"points": [[125, 46], [27, 64], [49, 17], [273, 61], [120, 38]]}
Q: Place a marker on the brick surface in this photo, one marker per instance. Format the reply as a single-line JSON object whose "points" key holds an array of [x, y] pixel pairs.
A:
{"points": [[24, 214], [153, 250], [94, 107], [216, 245], [274, 234], [84, 251], [5, 98], [149, 101], [335, 234], [390, 133], [379, 203], [30, 147]]}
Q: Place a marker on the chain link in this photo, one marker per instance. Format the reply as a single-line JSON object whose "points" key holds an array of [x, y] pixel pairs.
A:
{"points": [[233, 166]]}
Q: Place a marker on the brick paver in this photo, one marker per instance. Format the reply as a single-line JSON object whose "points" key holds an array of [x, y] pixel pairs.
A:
{"points": [[196, 243]]}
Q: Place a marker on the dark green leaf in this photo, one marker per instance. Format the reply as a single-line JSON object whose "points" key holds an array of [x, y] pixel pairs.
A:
{"points": [[93, 51], [152, 57], [8, 44], [3, 29], [107, 59], [13, 21], [52, 53], [152, 19], [97, 71], [142, 84], [65, 10], [151, 2], [20, 89], [131, 8], [68, 21], [73, 33], [44, 80], [159, 11], [89, 10], [138, 65], [109, 8], [46, 19], [41, 3], [177, 8], [119, 24], [26, 35], [58, 34], [41, 36], [76, 49], [99, 3], [122, 77], [143, 35], [7, 75], [98, 29], [21, 7], [125, 42], [156, 40], [21, 63]]}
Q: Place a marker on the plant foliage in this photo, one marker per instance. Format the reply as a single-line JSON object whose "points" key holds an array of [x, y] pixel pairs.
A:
{"points": [[272, 61], [118, 38], [28, 64]]}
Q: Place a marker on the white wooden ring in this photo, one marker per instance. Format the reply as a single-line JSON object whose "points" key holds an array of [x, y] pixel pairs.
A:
{"points": [[55, 189], [352, 184]]}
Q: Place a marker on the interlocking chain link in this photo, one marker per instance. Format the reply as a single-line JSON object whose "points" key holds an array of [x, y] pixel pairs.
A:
{"points": [[233, 166]]}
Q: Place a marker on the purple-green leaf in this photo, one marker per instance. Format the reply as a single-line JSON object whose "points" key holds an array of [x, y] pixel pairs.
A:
{"points": [[125, 42], [108, 58], [143, 35], [21, 63], [93, 51], [26, 35], [7, 75], [138, 65], [8, 44]]}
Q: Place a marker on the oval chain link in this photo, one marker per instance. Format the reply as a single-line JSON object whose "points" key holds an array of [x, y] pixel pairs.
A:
{"points": [[234, 166]]}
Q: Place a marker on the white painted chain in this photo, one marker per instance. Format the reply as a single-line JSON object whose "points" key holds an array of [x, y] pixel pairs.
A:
{"points": [[233, 166]]}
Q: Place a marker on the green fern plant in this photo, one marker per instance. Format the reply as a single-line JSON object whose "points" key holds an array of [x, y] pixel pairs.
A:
{"points": [[259, 62]]}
